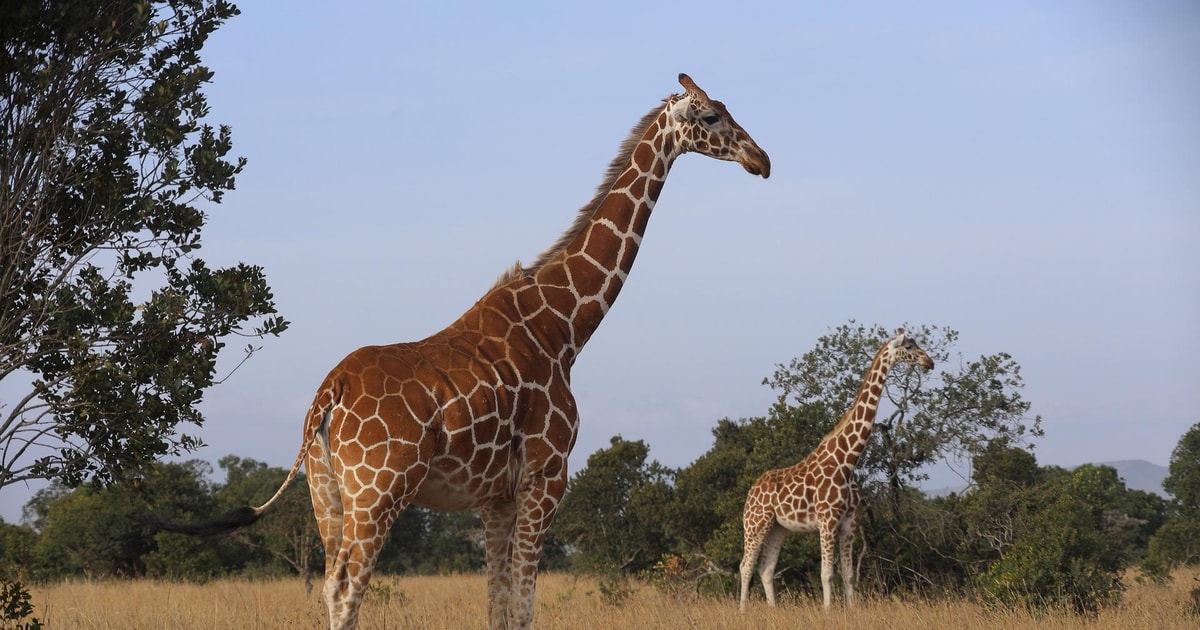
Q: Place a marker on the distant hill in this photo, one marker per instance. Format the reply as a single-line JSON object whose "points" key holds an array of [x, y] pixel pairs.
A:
{"points": [[1138, 474]]}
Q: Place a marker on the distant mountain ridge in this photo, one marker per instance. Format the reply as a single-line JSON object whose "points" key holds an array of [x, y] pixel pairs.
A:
{"points": [[1138, 474]]}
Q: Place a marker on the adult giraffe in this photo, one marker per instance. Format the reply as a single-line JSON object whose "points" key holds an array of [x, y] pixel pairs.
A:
{"points": [[819, 493], [481, 415]]}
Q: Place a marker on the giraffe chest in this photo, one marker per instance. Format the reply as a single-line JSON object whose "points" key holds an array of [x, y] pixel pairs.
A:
{"points": [[481, 456]]}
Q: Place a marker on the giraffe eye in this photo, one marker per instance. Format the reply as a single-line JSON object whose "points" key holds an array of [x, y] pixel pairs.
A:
{"points": [[710, 119]]}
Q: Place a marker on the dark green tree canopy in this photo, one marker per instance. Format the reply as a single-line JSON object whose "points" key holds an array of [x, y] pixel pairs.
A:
{"points": [[614, 508], [106, 166], [1183, 479], [1178, 540]]}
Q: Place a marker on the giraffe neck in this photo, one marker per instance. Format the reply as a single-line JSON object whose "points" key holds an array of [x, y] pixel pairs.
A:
{"points": [[579, 278], [848, 438]]}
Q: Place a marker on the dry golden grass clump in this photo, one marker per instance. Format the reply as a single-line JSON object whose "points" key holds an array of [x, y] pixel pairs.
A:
{"points": [[563, 602]]}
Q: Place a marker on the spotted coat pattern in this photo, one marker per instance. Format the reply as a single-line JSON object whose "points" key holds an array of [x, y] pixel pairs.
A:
{"points": [[481, 415]]}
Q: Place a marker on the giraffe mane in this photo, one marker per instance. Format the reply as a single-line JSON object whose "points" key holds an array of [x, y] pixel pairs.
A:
{"points": [[615, 168]]}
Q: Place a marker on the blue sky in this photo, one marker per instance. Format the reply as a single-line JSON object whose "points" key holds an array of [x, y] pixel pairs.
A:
{"points": [[1027, 173]]}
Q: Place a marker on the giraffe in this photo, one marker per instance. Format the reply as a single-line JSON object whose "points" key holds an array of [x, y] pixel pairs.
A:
{"points": [[819, 493], [480, 415]]}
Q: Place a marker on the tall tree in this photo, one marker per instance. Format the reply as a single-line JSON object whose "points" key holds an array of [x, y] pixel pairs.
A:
{"points": [[613, 512], [106, 164], [956, 409], [94, 530], [1178, 540], [1183, 478]]}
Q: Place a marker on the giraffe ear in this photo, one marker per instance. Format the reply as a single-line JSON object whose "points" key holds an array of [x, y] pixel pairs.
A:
{"points": [[690, 86]]}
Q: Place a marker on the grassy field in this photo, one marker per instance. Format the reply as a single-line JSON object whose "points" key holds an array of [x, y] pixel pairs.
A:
{"points": [[564, 602]]}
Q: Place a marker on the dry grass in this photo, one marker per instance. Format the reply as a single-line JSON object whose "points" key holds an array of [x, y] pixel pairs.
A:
{"points": [[431, 603]]}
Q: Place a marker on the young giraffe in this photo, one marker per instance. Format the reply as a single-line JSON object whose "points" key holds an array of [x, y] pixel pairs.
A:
{"points": [[481, 415], [819, 493]]}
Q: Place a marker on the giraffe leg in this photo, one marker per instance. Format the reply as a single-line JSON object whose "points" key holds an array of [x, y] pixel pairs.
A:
{"points": [[363, 535], [772, 545], [326, 499], [537, 505], [754, 532], [828, 532], [373, 494], [499, 521], [848, 528]]}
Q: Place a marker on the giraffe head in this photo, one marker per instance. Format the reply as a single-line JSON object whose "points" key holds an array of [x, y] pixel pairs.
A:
{"points": [[704, 125], [905, 350]]}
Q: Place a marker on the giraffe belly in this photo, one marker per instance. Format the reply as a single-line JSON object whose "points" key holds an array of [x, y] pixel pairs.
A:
{"points": [[799, 525], [452, 485], [797, 514]]}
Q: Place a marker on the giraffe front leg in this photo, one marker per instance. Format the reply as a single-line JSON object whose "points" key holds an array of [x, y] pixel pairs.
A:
{"points": [[535, 512], [827, 545], [849, 525], [499, 522]]}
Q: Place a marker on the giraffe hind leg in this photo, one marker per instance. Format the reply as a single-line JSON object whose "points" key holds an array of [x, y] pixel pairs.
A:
{"points": [[370, 504], [770, 556], [345, 584], [754, 533], [326, 499]]}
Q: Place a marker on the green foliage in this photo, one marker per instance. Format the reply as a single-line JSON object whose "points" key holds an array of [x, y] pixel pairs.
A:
{"points": [[287, 542], [1183, 480], [16, 611], [105, 166], [616, 588], [184, 558], [16, 550], [384, 591], [909, 545], [86, 533], [614, 509], [1178, 540], [999, 464], [96, 531], [708, 493], [1059, 559], [1053, 540], [427, 542]]}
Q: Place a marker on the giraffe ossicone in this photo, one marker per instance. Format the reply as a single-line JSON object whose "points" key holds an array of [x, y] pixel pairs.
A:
{"points": [[819, 493], [480, 415]]}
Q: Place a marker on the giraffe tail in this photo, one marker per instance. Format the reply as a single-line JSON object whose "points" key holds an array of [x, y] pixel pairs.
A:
{"points": [[231, 520], [243, 516]]}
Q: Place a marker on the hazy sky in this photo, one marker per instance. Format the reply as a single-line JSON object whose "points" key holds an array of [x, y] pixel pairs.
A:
{"points": [[1027, 173]]}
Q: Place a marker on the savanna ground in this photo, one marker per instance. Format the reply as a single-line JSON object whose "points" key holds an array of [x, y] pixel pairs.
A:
{"points": [[455, 602]]}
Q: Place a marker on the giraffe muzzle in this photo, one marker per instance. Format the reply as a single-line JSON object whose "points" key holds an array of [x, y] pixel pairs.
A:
{"points": [[757, 162]]}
